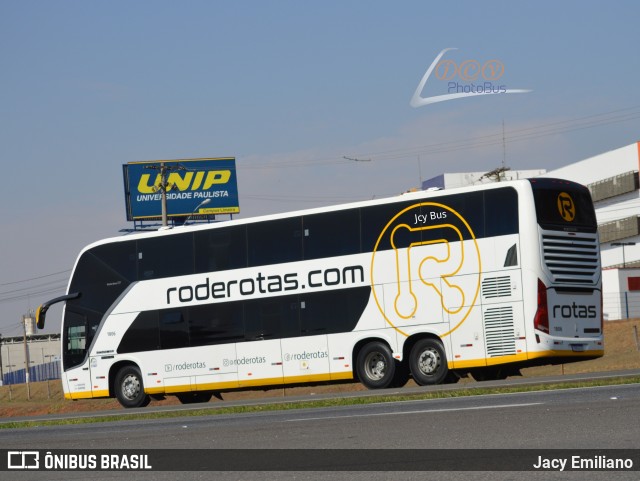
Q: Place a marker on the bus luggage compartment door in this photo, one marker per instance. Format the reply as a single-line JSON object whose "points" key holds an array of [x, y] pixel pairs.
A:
{"points": [[79, 384]]}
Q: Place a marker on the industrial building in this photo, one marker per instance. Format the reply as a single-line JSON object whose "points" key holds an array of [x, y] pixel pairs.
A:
{"points": [[42, 352], [612, 178]]}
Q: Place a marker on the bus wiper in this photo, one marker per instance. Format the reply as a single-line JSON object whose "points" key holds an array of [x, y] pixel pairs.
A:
{"points": [[41, 312]]}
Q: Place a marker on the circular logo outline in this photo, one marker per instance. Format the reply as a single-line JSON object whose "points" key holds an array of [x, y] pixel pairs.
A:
{"points": [[446, 65], [497, 69], [475, 245]]}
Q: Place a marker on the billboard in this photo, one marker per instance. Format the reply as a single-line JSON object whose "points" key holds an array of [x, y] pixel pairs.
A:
{"points": [[195, 187]]}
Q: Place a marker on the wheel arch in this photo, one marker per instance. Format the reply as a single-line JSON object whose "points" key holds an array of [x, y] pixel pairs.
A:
{"points": [[359, 345], [413, 339], [113, 371]]}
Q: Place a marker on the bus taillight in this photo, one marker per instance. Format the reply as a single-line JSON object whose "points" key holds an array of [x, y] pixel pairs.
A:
{"points": [[541, 320], [601, 314]]}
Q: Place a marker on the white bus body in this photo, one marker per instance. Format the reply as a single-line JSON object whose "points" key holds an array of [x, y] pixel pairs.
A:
{"points": [[431, 285]]}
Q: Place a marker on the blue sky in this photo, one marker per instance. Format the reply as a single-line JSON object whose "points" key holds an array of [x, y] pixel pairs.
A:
{"points": [[288, 88]]}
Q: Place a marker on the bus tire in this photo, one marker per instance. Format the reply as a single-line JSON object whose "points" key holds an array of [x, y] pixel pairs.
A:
{"points": [[428, 362], [130, 388], [375, 365], [194, 397]]}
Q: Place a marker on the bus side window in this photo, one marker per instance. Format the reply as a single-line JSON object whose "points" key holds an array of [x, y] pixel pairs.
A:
{"points": [[501, 212], [142, 335], [275, 242], [331, 234], [220, 249], [272, 318], [374, 219], [334, 311], [174, 329], [215, 323], [165, 256]]}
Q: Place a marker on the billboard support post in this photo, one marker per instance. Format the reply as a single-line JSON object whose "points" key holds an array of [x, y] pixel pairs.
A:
{"points": [[163, 187], [163, 190]]}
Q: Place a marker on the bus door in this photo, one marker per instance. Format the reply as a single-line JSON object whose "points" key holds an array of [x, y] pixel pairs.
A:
{"points": [[75, 362]]}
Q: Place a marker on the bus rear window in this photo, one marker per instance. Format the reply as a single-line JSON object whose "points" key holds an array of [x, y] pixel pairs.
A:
{"points": [[563, 205]]}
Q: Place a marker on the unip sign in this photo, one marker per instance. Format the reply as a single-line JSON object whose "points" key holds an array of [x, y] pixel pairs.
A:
{"points": [[194, 187]]}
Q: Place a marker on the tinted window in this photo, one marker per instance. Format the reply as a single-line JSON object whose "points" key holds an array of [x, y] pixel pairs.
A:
{"points": [[275, 241], [74, 340], [80, 328], [142, 335], [120, 257], [272, 318], [220, 249], [501, 212], [165, 256], [216, 323], [332, 311], [563, 205], [374, 220], [447, 217], [98, 283], [331, 234], [174, 330]]}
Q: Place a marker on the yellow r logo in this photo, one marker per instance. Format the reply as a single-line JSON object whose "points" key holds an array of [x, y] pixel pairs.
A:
{"points": [[566, 207]]}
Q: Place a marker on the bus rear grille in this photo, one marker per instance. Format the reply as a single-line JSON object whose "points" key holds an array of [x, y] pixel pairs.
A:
{"points": [[571, 259], [496, 287], [499, 331]]}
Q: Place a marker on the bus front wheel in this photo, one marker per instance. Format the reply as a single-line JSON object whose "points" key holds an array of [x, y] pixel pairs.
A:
{"points": [[428, 362], [130, 389], [375, 366]]}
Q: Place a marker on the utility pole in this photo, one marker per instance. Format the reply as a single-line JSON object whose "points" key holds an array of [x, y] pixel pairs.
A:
{"points": [[9, 365], [163, 190], [164, 186], [26, 356], [1, 369]]}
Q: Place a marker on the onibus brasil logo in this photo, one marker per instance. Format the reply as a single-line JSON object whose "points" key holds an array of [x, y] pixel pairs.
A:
{"points": [[435, 260]]}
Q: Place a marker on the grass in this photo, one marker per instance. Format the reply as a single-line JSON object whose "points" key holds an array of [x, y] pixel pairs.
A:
{"points": [[47, 398]]}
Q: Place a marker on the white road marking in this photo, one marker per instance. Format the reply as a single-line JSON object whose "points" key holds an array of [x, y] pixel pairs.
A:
{"points": [[424, 411]]}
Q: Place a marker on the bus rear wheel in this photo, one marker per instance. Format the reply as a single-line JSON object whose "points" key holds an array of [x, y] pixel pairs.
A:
{"points": [[130, 389], [375, 365], [428, 362]]}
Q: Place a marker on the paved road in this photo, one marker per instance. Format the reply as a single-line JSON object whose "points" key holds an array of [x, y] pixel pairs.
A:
{"points": [[514, 381], [599, 418]]}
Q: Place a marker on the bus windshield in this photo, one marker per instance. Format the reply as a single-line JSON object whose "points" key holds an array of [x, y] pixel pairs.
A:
{"points": [[101, 276]]}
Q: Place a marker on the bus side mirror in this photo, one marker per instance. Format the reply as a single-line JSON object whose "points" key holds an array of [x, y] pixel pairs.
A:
{"points": [[41, 312]]}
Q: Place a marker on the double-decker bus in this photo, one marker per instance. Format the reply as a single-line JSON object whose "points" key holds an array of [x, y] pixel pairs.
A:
{"points": [[430, 285]]}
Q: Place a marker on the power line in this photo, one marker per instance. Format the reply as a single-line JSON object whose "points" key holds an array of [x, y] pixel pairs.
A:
{"points": [[58, 288], [514, 135], [35, 278], [283, 198], [578, 123], [57, 282]]}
